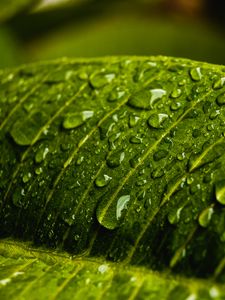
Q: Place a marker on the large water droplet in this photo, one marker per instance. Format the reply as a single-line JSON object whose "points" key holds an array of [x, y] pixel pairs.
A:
{"points": [[160, 155], [174, 215], [77, 119], [102, 180], [145, 99], [121, 205], [205, 217], [156, 120], [196, 74], [156, 94], [220, 191]]}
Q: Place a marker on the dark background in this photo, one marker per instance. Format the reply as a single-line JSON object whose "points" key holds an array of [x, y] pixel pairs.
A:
{"points": [[89, 28]]}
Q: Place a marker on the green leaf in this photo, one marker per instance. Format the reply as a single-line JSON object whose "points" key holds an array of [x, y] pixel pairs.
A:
{"points": [[8, 8], [119, 162]]}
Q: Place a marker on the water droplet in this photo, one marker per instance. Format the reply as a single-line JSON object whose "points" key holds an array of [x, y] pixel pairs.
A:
{"points": [[101, 79], [83, 75], [38, 171], [220, 191], [205, 217], [175, 106], [133, 120], [135, 140], [116, 94], [196, 74], [103, 268], [157, 173], [145, 99], [220, 100], [121, 205], [176, 93], [115, 159], [26, 177], [79, 160], [41, 154], [77, 119], [140, 100], [181, 156], [219, 83], [214, 114], [156, 120], [174, 215], [102, 180], [160, 155]]}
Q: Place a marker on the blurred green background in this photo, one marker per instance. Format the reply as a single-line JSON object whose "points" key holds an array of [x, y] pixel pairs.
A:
{"points": [[33, 30]]}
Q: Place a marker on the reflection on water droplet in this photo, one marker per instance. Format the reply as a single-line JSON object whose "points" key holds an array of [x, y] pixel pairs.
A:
{"points": [[102, 180], [196, 74], [220, 191], [26, 177], [156, 94], [121, 205], [219, 83], [205, 217], [76, 119], [135, 140], [103, 268], [156, 120], [221, 99]]}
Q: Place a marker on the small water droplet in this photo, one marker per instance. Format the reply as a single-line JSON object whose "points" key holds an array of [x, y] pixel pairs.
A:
{"points": [[219, 83], [103, 268], [135, 140], [26, 177], [101, 79], [175, 106], [196, 74], [181, 156], [160, 155], [102, 180], [205, 217], [220, 191], [41, 154], [115, 159], [133, 120], [174, 215], [116, 94], [220, 100], [157, 173], [156, 120], [77, 119], [214, 114], [176, 93]]}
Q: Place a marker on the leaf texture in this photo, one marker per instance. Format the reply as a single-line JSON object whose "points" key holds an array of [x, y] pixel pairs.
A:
{"points": [[119, 160]]}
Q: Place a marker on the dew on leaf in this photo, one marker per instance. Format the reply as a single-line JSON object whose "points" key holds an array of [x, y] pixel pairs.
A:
{"points": [[116, 94], [160, 155], [101, 79], [220, 191], [133, 120], [196, 74], [175, 106], [41, 154], [220, 100], [219, 83], [176, 93], [115, 159], [156, 120], [26, 177], [135, 140], [174, 215], [102, 180], [205, 217], [77, 119]]}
